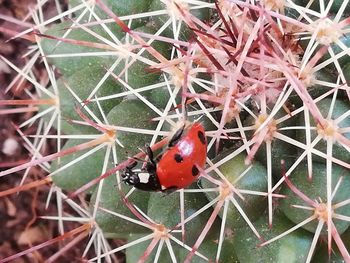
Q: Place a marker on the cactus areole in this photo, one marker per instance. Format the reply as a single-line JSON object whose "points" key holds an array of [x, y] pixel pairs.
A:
{"points": [[177, 167]]}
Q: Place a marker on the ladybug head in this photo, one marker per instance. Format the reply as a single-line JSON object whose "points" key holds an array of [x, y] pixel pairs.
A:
{"points": [[130, 177]]}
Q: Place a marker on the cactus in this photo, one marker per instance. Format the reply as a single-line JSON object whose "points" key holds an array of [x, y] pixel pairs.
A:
{"points": [[269, 80]]}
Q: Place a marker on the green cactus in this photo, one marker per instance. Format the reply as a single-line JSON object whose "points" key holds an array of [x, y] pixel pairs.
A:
{"points": [[268, 80]]}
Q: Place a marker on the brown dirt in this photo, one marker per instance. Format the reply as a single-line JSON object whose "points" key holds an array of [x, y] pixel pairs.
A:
{"points": [[19, 213]]}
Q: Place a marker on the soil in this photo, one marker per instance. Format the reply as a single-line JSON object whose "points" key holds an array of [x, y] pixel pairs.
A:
{"points": [[20, 213]]}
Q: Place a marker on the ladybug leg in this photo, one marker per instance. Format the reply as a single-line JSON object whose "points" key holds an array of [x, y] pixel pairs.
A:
{"points": [[170, 190], [158, 158], [151, 165], [137, 159], [132, 165], [150, 154], [176, 137]]}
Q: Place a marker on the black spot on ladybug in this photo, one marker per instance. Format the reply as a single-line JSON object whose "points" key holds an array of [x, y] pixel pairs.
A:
{"points": [[195, 170], [201, 137], [178, 158]]}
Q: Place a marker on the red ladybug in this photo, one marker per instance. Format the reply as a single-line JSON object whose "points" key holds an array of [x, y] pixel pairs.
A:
{"points": [[177, 167]]}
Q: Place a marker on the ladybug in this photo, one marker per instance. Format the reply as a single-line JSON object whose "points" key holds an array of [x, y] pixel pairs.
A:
{"points": [[177, 167]]}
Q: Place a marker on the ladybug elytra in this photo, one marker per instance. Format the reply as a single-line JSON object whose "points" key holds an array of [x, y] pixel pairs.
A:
{"points": [[177, 167]]}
